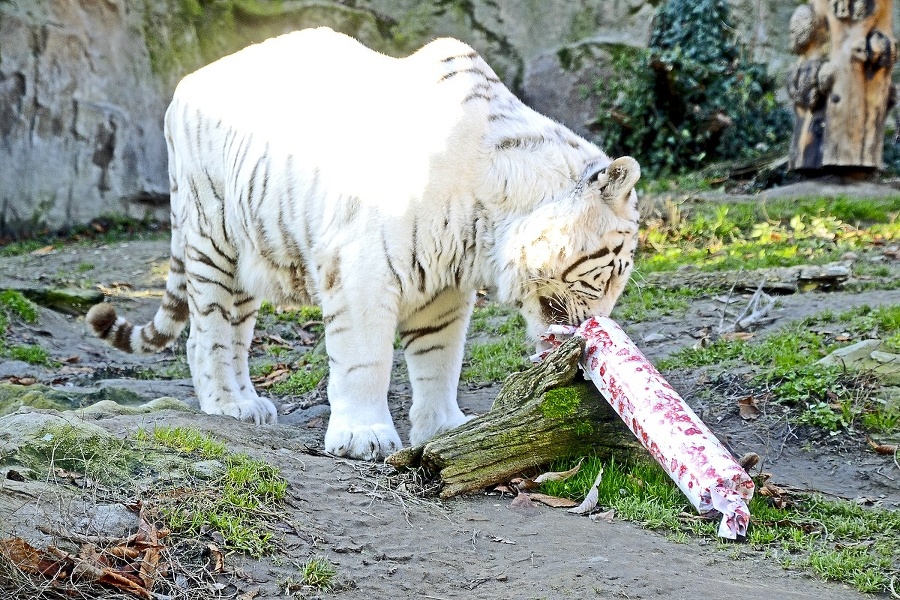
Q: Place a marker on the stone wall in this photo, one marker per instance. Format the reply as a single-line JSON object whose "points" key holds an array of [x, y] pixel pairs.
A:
{"points": [[80, 115], [84, 83]]}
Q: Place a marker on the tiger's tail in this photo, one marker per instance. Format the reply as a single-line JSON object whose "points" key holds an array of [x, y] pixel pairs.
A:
{"points": [[162, 330], [173, 313]]}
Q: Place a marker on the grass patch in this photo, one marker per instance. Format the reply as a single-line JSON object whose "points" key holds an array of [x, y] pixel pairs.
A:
{"points": [[787, 367], [777, 234], [835, 540], [318, 573], [104, 459], [494, 359], [15, 306], [239, 500], [642, 303], [309, 371], [308, 316]]}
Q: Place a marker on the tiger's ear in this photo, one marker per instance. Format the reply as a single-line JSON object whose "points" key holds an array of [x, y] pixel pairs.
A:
{"points": [[618, 179]]}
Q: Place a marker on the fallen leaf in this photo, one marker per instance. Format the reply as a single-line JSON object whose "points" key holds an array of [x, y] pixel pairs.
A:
{"points": [[25, 381], [216, 562], [881, 448], [249, 594], [553, 501], [523, 502], [606, 516], [501, 540], [590, 501], [558, 475], [748, 409], [43, 251], [71, 360], [31, 560], [742, 336]]}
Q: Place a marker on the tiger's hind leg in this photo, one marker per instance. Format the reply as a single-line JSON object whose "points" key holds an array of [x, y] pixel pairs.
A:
{"points": [[218, 366], [243, 320], [433, 339]]}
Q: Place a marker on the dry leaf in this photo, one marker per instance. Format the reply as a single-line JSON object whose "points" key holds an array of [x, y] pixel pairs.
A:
{"points": [[249, 594], [881, 448], [43, 251], [742, 336], [553, 501], [748, 408], [24, 381], [558, 475], [590, 501], [501, 540], [29, 559], [606, 516], [523, 502], [216, 562]]}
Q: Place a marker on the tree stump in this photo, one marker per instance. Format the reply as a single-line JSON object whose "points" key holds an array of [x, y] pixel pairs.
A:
{"points": [[540, 415], [841, 84]]}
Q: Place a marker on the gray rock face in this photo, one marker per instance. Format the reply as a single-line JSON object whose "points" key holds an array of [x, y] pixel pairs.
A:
{"points": [[84, 84], [80, 115]]}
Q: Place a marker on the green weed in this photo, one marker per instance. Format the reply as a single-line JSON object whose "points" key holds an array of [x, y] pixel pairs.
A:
{"points": [[104, 459], [318, 573], [786, 367], [15, 305], [729, 237], [494, 359], [642, 303], [308, 373], [186, 440], [238, 501], [304, 315]]}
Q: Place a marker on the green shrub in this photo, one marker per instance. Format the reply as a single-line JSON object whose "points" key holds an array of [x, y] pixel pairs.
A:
{"points": [[692, 97]]}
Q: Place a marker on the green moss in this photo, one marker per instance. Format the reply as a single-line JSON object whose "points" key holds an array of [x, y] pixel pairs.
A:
{"points": [[562, 402], [103, 458], [14, 304], [40, 396]]}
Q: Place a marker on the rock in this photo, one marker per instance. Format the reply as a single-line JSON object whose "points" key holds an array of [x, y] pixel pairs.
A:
{"points": [[870, 356], [81, 128], [71, 301]]}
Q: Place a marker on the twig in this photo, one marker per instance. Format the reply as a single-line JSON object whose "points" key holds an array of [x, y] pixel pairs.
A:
{"points": [[728, 301], [758, 307]]}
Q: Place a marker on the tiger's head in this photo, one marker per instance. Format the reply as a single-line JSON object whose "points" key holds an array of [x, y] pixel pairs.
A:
{"points": [[571, 258]]}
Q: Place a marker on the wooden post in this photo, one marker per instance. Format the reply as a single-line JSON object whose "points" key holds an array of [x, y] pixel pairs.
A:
{"points": [[841, 84]]}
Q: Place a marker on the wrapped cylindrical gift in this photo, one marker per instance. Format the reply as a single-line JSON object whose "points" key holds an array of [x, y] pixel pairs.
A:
{"points": [[674, 435]]}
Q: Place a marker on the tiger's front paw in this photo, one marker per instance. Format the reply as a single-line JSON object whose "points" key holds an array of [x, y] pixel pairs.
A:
{"points": [[364, 442], [425, 427], [260, 411]]}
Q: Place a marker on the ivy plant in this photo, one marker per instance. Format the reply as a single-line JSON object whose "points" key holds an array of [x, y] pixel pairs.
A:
{"points": [[693, 97]]}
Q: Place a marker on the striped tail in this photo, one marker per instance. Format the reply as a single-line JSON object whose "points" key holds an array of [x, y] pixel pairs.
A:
{"points": [[166, 326]]}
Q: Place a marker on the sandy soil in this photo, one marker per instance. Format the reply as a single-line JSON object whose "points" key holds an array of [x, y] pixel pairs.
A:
{"points": [[388, 545]]}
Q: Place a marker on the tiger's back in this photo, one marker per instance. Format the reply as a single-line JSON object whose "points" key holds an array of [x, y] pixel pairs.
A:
{"points": [[388, 191]]}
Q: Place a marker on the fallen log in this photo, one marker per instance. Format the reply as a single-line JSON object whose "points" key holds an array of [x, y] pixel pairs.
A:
{"points": [[542, 414], [779, 280]]}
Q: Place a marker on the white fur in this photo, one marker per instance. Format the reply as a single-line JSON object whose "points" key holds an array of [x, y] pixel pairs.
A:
{"points": [[309, 168]]}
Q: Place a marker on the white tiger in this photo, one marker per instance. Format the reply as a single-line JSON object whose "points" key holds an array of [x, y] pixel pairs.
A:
{"points": [[309, 168]]}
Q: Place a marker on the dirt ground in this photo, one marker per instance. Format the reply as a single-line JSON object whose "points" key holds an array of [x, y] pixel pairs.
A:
{"points": [[388, 545]]}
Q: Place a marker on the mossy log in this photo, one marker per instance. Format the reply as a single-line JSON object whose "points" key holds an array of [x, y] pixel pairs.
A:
{"points": [[540, 415], [71, 301]]}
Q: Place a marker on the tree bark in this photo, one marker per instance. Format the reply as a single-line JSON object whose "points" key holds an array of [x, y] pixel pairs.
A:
{"points": [[841, 85], [540, 415]]}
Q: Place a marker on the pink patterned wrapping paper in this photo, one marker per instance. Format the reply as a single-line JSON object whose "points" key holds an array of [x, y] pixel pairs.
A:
{"points": [[661, 420]]}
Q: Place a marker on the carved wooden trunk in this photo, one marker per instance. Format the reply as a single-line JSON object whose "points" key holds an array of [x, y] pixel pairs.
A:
{"points": [[841, 84]]}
